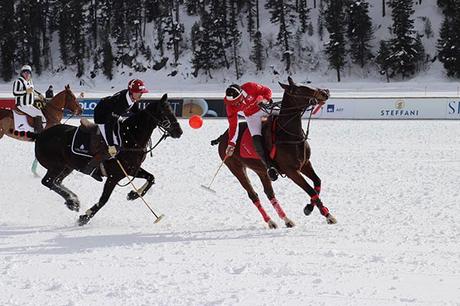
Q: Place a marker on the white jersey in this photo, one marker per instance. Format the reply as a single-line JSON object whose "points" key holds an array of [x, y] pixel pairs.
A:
{"points": [[19, 91]]}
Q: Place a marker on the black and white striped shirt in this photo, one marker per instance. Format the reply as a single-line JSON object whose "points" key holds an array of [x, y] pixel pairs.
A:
{"points": [[19, 91]]}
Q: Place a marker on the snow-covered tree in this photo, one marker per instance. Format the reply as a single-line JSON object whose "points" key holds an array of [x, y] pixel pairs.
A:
{"points": [[360, 32], [7, 39], [335, 24], [405, 56], [282, 13]]}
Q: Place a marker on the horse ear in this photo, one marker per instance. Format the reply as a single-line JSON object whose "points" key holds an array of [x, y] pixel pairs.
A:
{"points": [[67, 87], [284, 86], [291, 82], [164, 98]]}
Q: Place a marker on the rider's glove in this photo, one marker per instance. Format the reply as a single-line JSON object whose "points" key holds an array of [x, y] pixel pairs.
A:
{"points": [[230, 149], [29, 90], [112, 151]]}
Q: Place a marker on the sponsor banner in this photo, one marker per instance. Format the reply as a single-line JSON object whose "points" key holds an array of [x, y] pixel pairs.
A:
{"points": [[453, 109], [334, 108], [388, 108]]}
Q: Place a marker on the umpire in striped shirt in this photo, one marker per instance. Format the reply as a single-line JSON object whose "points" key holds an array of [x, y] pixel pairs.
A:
{"points": [[23, 91]]}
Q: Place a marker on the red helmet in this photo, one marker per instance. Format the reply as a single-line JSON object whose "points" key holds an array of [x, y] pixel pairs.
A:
{"points": [[137, 86]]}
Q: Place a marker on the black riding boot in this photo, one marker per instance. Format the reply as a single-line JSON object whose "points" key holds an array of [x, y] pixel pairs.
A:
{"points": [[93, 169], [258, 141], [38, 124]]}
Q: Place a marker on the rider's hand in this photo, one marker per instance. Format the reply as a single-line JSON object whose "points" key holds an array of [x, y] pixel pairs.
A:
{"points": [[112, 151], [230, 149], [29, 90]]}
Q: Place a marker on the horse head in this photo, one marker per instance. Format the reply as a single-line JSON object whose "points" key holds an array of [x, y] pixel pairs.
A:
{"points": [[71, 102], [164, 117], [302, 95]]}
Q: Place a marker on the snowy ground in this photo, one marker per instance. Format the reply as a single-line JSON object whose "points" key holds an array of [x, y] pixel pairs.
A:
{"points": [[392, 185]]}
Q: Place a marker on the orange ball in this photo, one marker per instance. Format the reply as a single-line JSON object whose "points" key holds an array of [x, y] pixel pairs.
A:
{"points": [[195, 121]]}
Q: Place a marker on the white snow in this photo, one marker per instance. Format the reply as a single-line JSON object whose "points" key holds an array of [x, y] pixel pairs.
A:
{"points": [[393, 186]]}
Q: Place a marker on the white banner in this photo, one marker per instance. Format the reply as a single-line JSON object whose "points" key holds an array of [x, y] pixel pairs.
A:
{"points": [[390, 108]]}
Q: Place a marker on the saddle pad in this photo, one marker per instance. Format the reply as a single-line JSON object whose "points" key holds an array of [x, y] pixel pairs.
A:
{"points": [[247, 149], [81, 143]]}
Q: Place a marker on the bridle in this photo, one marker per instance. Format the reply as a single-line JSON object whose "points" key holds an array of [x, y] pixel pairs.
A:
{"points": [[297, 111]]}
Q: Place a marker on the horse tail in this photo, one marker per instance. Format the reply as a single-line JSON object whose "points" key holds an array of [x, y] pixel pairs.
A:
{"points": [[217, 140]]}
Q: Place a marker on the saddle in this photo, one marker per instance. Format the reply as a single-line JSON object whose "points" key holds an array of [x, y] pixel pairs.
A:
{"points": [[247, 149], [87, 140]]}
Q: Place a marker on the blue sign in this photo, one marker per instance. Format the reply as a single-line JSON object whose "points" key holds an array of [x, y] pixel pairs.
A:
{"points": [[454, 108], [330, 108]]}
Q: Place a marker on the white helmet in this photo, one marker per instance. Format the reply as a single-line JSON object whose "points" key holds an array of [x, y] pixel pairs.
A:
{"points": [[26, 68]]}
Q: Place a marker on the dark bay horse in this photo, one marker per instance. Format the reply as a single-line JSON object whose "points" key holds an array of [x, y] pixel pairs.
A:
{"points": [[53, 112], [292, 157], [52, 149]]}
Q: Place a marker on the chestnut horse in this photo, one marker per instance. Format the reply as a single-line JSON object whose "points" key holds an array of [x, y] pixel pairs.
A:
{"points": [[292, 155], [53, 112]]}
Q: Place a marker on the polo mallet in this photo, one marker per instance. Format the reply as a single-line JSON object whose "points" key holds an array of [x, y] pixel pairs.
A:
{"points": [[214, 177], [158, 218]]}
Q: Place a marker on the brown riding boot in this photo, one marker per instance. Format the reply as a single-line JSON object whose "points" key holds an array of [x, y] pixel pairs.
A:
{"points": [[38, 124]]}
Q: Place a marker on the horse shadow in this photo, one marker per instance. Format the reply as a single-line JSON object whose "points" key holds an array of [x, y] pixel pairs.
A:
{"points": [[64, 244]]}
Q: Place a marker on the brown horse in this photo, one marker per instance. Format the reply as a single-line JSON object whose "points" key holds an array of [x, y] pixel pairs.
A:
{"points": [[293, 152], [53, 112]]}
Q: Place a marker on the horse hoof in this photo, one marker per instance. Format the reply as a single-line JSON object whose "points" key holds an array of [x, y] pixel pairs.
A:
{"points": [[330, 219], [308, 209], [83, 219], [289, 223], [132, 195], [272, 225], [73, 205]]}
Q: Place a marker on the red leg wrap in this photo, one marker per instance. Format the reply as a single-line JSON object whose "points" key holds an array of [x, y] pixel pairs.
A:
{"points": [[324, 211], [278, 208], [262, 211]]}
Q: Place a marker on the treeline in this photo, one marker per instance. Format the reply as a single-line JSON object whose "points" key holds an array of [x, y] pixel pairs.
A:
{"points": [[94, 37]]}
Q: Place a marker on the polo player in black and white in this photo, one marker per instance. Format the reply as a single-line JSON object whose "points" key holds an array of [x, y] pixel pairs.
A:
{"points": [[24, 93], [107, 114]]}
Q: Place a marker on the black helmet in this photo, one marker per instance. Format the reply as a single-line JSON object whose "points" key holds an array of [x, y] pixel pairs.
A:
{"points": [[233, 91]]}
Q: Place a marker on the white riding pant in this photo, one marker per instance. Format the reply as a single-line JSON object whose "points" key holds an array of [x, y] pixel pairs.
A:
{"points": [[104, 135], [255, 123], [30, 110]]}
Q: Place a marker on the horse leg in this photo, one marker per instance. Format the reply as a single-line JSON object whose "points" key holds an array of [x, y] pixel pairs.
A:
{"points": [[297, 178], [53, 180], [308, 171], [132, 195], [240, 172], [109, 185], [268, 190]]}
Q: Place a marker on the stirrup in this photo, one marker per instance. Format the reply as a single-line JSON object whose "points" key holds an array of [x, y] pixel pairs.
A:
{"points": [[272, 173]]}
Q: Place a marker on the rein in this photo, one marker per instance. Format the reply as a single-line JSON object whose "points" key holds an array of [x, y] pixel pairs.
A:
{"points": [[298, 111]]}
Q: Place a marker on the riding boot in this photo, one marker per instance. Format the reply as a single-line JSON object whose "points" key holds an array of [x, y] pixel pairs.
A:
{"points": [[93, 167], [38, 124], [259, 146]]}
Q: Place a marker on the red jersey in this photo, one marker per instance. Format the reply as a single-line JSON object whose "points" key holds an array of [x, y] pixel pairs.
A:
{"points": [[253, 94]]}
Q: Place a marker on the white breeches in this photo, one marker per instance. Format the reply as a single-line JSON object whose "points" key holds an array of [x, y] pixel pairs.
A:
{"points": [[255, 122], [102, 129], [30, 110]]}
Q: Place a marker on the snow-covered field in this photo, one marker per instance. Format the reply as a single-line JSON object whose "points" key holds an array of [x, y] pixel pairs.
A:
{"points": [[392, 185]]}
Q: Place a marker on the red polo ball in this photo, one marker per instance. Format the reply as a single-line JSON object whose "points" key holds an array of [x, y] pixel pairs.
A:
{"points": [[195, 121]]}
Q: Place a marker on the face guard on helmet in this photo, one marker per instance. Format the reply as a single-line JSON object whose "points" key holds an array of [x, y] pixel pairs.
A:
{"points": [[137, 86], [234, 94]]}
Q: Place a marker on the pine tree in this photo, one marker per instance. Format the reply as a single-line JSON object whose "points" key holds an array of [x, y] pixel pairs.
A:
{"points": [[428, 29], [204, 47], [335, 49], [7, 39], [360, 32], [449, 41], [403, 53], [23, 32], [282, 13], [107, 64], [257, 55], [383, 59], [235, 38], [304, 15]]}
